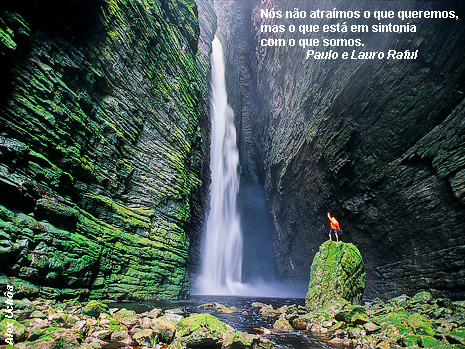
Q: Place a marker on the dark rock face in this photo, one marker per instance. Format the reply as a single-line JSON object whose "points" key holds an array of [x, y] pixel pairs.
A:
{"points": [[207, 24], [337, 272], [234, 23], [378, 143], [100, 148]]}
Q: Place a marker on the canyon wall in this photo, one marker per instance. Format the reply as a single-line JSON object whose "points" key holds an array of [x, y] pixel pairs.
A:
{"points": [[207, 23], [234, 29], [378, 143], [104, 137], [101, 152]]}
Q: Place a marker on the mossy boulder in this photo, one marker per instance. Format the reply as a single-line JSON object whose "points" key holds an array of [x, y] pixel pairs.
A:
{"points": [[201, 330], [53, 337], [422, 297], [37, 314], [115, 326], [399, 318], [244, 340], [324, 313], [394, 326], [219, 308], [154, 313], [127, 317], [94, 308], [204, 330], [164, 328], [146, 337], [420, 325], [269, 311], [337, 272], [429, 342], [302, 321], [282, 324], [354, 314], [410, 340], [18, 330]]}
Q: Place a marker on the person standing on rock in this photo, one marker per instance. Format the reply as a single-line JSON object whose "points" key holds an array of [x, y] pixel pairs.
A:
{"points": [[334, 227]]}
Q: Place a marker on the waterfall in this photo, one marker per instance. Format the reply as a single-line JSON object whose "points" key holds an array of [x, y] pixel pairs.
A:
{"points": [[222, 258]]}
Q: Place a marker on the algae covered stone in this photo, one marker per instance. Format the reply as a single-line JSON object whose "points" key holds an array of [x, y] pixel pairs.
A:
{"points": [[457, 336], [201, 330], [220, 308], [205, 330], [127, 317], [53, 337], [17, 330], [146, 337], [337, 272], [164, 328], [420, 325], [353, 314], [94, 308]]}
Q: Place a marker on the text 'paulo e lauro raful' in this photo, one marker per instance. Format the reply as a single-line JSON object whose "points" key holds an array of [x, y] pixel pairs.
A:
{"points": [[362, 55]]}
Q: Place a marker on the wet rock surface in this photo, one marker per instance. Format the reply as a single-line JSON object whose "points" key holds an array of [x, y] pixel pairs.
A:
{"points": [[379, 144], [101, 152], [421, 321], [415, 322], [50, 324], [337, 271]]}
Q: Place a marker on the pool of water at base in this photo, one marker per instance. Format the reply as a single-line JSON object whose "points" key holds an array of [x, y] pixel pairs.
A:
{"points": [[246, 318]]}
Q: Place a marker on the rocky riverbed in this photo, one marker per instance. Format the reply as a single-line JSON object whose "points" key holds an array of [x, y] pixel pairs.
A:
{"points": [[333, 310], [420, 321], [49, 324]]}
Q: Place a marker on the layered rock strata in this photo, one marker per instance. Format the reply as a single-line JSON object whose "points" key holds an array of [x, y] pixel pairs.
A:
{"points": [[100, 147], [378, 143], [207, 24]]}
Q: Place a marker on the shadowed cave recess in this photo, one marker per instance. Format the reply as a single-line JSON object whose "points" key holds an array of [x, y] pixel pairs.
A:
{"points": [[105, 158]]}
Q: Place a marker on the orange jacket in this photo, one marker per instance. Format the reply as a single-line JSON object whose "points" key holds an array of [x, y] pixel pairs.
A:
{"points": [[333, 222]]}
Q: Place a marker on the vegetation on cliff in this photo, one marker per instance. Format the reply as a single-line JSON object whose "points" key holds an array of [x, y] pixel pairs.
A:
{"points": [[100, 148]]}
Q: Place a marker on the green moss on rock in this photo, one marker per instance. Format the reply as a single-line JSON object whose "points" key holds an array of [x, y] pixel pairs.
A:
{"points": [[201, 329], [18, 330], [457, 335], [55, 338], [96, 153], [146, 338], [126, 317], [337, 271], [204, 330], [94, 308], [420, 325], [353, 314], [164, 327]]}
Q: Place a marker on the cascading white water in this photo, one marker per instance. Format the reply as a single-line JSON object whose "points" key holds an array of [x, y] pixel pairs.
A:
{"points": [[222, 259]]}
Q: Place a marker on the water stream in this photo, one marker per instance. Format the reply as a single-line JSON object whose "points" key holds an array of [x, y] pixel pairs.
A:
{"points": [[246, 318], [222, 252]]}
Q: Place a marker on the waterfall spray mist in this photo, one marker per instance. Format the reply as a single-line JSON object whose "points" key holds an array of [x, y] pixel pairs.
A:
{"points": [[222, 259]]}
